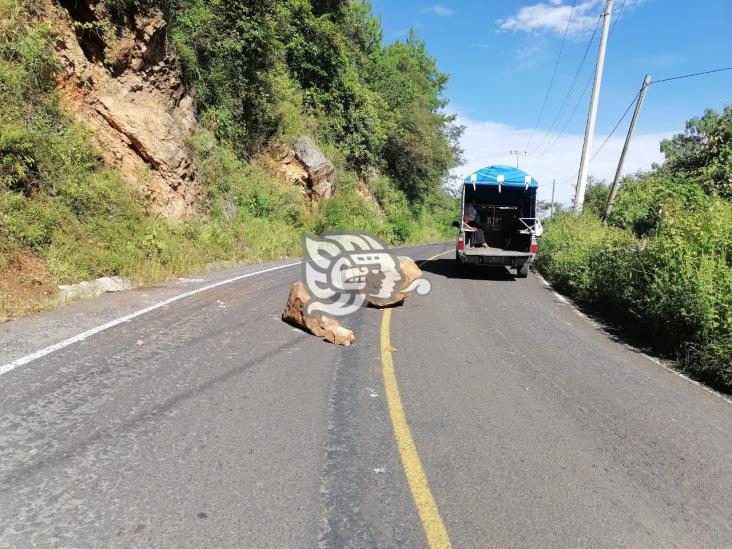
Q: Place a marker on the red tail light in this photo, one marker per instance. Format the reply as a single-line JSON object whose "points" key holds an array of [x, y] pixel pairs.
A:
{"points": [[461, 244], [533, 248]]}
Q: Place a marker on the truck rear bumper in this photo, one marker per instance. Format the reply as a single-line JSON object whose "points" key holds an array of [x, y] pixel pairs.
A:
{"points": [[493, 256]]}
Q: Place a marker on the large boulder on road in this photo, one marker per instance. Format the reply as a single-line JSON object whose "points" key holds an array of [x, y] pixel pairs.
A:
{"points": [[410, 273], [317, 324]]}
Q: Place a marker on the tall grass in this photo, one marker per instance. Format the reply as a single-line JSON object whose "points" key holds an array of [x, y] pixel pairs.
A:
{"points": [[59, 203], [662, 269]]}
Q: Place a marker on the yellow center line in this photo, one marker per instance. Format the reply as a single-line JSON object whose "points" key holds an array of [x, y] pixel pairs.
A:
{"points": [[432, 523], [420, 263]]}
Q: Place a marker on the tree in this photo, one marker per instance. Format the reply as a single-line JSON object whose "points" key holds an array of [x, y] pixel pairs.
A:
{"points": [[422, 141], [230, 52], [704, 152], [363, 30], [596, 196], [332, 8], [257, 66], [544, 208]]}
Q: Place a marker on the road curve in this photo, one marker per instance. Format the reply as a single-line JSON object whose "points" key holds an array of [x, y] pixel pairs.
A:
{"points": [[208, 422]]}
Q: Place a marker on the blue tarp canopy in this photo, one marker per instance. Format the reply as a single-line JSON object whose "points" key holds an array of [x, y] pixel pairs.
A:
{"points": [[512, 177]]}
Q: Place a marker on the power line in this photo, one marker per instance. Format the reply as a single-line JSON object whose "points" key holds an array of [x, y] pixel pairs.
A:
{"points": [[554, 139], [630, 106], [639, 92], [680, 77], [571, 178], [571, 87], [690, 75], [579, 101], [616, 125], [554, 74]]}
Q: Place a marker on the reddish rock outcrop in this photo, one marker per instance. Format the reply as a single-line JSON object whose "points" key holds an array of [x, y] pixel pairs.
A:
{"points": [[128, 91], [304, 164]]}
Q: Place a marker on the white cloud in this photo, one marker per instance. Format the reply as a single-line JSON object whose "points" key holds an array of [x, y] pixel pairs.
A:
{"points": [[553, 17], [485, 143], [439, 10]]}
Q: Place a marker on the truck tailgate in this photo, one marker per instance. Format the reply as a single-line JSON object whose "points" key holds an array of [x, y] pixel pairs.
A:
{"points": [[494, 251], [494, 256]]}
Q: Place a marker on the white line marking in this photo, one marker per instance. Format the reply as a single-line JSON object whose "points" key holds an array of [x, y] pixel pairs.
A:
{"points": [[10, 366], [630, 347]]}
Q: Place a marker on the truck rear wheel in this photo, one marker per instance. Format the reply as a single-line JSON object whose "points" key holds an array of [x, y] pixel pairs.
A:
{"points": [[522, 271], [459, 266]]}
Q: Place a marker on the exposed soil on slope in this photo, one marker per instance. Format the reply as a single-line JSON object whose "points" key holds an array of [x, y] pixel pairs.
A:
{"points": [[122, 83]]}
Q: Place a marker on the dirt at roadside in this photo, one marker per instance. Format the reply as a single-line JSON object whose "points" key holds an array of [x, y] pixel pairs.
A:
{"points": [[26, 287]]}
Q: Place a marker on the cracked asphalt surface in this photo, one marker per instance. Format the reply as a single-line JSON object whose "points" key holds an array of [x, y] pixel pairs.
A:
{"points": [[228, 428]]}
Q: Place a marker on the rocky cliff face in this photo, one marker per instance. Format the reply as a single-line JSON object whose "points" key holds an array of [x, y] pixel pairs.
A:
{"points": [[123, 84], [303, 164]]}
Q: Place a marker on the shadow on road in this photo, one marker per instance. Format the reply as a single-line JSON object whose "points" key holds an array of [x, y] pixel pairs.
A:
{"points": [[447, 267]]}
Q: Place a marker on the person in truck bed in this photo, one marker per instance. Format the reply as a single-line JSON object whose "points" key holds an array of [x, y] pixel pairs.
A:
{"points": [[471, 220]]}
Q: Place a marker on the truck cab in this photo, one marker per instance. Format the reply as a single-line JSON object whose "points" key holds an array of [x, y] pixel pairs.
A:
{"points": [[504, 232]]}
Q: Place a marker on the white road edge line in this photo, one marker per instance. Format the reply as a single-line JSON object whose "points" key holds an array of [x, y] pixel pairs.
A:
{"points": [[626, 345], [10, 366]]}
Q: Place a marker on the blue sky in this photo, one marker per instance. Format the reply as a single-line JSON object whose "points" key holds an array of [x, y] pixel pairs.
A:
{"points": [[500, 55]]}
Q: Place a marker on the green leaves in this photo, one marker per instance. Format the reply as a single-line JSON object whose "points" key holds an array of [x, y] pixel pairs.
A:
{"points": [[257, 66], [704, 152], [422, 142], [17, 161], [261, 71], [664, 265], [662, 268]]}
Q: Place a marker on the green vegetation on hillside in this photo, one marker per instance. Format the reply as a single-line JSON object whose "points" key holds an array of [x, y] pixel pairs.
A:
{"points": [[258, 67], [262, 72], [662, 266]]}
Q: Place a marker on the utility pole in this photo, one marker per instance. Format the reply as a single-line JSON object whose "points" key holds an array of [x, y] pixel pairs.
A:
{"points": [[579, 197], [631, 129], [551, 204], [518, 153]]}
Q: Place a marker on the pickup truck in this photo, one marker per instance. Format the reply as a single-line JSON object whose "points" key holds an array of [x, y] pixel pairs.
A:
{"points": [[504, 199]]}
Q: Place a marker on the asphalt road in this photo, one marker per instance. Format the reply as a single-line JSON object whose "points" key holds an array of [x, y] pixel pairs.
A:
{"points": [[210, 423]]}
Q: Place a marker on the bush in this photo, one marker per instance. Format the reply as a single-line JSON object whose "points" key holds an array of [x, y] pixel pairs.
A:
{"points": [[258, 75], [704, 152], [596, 196], [349, 211], [664, 273]]}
